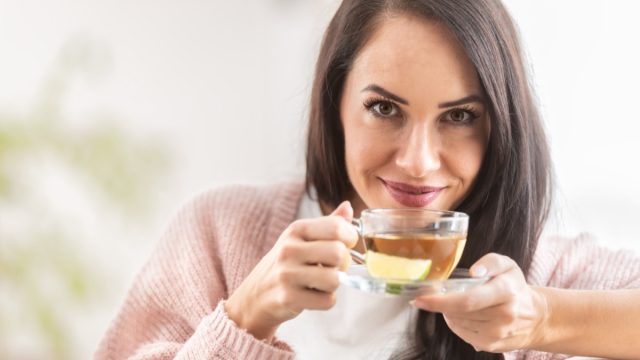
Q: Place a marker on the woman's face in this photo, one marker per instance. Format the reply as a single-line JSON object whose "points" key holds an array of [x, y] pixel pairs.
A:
{"points": [[414, 117]]}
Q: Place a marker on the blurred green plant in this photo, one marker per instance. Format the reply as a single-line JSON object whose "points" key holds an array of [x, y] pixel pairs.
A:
{"points": [[42, 252]]}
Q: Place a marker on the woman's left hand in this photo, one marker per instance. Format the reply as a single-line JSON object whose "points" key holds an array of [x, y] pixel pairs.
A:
{"points": [[502, 315]]}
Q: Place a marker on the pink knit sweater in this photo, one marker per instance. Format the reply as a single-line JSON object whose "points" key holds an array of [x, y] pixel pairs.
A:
{"points": [[174, 308]]}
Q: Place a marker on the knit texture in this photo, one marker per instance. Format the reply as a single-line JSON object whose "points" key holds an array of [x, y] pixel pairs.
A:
{"points": [[174, 308]]}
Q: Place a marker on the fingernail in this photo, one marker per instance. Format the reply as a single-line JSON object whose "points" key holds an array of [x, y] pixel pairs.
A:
{"points": [[412, 303], [479, 271]]}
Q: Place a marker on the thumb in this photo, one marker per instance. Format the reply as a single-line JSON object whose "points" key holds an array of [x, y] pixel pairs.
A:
{"points": [[344, 210], [492, 264]]}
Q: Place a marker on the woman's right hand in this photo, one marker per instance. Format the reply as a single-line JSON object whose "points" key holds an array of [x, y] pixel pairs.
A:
{"points": [[300, 272]]}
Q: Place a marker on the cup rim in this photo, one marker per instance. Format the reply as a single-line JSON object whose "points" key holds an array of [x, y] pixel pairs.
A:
{"points": [[444, 214]]}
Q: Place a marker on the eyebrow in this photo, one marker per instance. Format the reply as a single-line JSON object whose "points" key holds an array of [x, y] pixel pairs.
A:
{"points": [[388, 94], [464, 100]]}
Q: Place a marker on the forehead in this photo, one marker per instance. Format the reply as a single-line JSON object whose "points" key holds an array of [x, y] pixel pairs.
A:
{"points": [[411, 56]]}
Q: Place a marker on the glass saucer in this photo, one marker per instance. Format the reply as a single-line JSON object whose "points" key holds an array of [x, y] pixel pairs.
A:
{"points": [[460, 280]]}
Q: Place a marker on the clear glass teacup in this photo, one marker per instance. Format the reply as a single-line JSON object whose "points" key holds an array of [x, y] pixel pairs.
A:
{"points": [[410, 245]]}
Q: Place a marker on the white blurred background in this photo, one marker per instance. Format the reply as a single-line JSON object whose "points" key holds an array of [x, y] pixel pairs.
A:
{"points": [[113, 113]]}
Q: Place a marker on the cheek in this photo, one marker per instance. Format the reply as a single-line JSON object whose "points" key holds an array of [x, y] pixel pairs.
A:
{"points": [[353, 148], [473, 162], [465, 160], [363, 150]]}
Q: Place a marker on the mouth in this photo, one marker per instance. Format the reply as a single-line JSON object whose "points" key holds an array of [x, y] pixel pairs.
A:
{"points": [[412, 195]]}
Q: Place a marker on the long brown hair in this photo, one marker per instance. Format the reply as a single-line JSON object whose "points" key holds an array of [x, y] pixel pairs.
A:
{"points": [[510, 199]]}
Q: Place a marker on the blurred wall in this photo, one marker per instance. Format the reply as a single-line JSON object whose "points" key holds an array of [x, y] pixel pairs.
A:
{"points": [[221, 88], [584, 57]]}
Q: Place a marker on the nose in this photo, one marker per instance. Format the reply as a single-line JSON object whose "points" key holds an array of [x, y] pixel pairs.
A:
{"points": [[419, 152]]}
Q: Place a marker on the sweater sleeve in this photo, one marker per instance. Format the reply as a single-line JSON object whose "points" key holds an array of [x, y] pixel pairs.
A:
{"points": [[581, 263], [578, 263], [174, 308]]}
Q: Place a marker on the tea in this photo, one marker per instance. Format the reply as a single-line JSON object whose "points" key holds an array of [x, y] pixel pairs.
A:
{"points": [[444, 250]]}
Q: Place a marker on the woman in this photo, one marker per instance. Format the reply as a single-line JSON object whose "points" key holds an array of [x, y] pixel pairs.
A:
{"points": [[415, 104]]}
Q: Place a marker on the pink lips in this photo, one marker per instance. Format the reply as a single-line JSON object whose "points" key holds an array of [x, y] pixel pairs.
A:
{"points": [[412, 196]]}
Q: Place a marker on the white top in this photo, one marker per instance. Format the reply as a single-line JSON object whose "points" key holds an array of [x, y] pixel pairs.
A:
{"points": [[360, 326]]}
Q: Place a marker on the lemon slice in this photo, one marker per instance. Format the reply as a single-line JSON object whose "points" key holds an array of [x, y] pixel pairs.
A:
{"points": [[396, 267]]}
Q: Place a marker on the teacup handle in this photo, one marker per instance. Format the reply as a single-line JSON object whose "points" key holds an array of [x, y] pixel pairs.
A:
{"points": [[357, 257]]}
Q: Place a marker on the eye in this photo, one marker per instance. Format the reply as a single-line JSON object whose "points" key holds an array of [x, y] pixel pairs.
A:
{"points": [[385, 108], [382, 108], [461, 116]]}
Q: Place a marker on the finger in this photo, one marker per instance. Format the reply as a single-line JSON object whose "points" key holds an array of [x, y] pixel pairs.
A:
{"points": [[483, 336], [490, 329], [478, 327], [495, 314], [491, 265], [496, 292], [310, 277], [344, 210], [473, 336], [474, 326], [326, 252], [300, 299], [481, 316], [325, 228]]}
